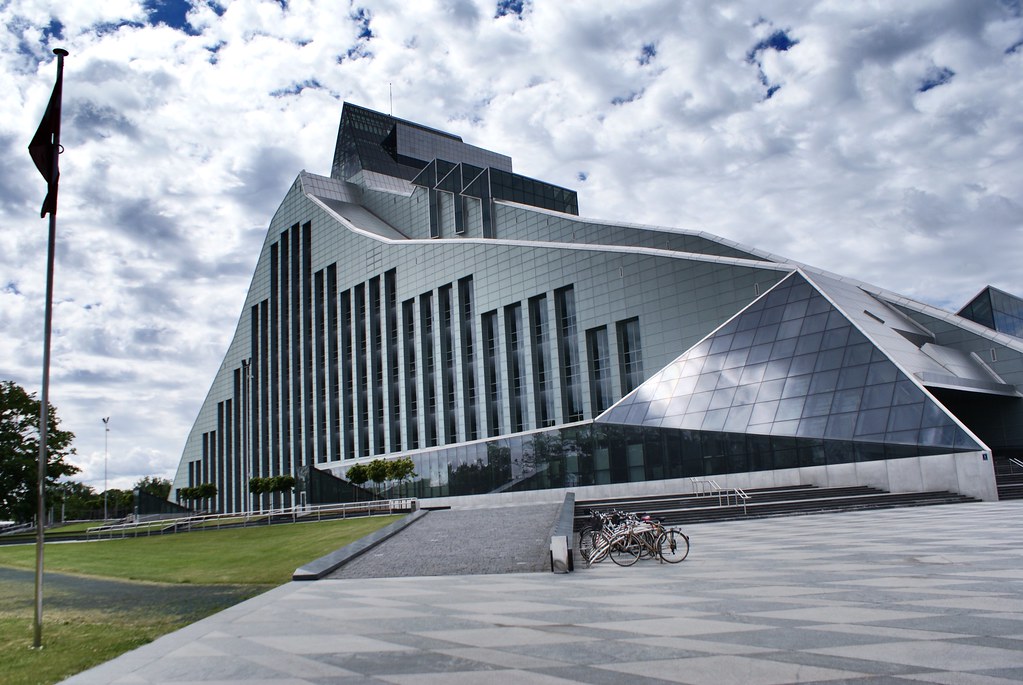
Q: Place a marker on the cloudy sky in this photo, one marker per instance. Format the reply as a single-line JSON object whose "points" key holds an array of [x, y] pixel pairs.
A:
{"points": [[878, 139]]}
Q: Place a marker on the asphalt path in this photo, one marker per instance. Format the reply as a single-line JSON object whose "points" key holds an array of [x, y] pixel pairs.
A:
{"points": [[463, 542], [80, 593]]}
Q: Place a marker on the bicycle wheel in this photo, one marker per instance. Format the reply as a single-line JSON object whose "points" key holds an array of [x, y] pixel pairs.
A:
{"points": [[673, 546], [625, 549], [601, 546], [648, 544], [587, 536]]}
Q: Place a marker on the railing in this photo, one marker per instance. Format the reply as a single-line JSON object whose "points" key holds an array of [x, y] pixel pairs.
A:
{"points": [[1014, 463], [726, 496], [215, 521], [704, 487]]}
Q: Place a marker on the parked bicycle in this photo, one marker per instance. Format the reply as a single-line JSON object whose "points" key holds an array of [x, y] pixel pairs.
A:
{"points": [[627, 538]]}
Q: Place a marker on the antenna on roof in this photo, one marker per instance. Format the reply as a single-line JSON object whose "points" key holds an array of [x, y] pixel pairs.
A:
{"points": [[390, 97]]}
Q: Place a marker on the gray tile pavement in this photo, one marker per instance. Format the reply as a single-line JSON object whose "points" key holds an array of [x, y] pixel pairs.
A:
{"points": [[903, 596]]}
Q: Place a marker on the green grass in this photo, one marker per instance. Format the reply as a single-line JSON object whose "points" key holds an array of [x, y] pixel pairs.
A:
{"points": [[260, 555], [156, 585]]}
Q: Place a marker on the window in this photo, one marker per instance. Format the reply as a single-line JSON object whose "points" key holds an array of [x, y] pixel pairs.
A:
{"points": [[599, 353], [516, 367], [568, 353], [542, 386], [630, 358]]}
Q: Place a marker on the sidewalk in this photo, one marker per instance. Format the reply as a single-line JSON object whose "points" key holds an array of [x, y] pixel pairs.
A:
{"points": [[921, 595]]}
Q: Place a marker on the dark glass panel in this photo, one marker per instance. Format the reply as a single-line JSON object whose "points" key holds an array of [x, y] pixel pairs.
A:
{"points": [[767, 333], [771, 390], [857, 354], [783, 349], [777, 369], [871, 422], [817, 405], [809, 343], [722, 398], [825, 381], [803, 364], [759, 354], [835, 338], [789, 329], [829, 360], [814, 324], [753, 373], [882, 372], [738, 418], [846, 400], [790, 409], [876, 396], [905, 417], [840, 426], [852, 377], [763, 413], [796, 386]]}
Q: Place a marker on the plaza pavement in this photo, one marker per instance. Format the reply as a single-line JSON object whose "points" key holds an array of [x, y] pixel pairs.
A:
{"points": [[901, 596]]}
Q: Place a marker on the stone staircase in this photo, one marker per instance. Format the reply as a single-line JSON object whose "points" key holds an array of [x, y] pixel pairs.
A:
{"points": [[1009, 479], [762, 502]]}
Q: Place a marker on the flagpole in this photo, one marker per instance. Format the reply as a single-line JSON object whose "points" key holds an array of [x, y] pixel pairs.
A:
{"points": [[44, 402]]}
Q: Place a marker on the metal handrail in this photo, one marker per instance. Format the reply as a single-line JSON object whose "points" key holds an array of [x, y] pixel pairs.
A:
{"points": [[1013, 461], [215, 521], [704, 486]]}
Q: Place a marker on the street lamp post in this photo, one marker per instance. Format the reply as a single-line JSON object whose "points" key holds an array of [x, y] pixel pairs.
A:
{"points": [[106, 440]]}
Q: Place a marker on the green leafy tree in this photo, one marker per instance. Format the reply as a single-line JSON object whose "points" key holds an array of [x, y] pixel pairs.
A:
{"points": [[19, 452], [401, 469], [378, 472], [357, 475], [158, 487]]}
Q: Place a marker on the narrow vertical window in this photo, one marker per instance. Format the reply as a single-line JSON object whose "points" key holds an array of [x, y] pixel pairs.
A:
{"points": [[516, 367], [447, 353], [408, 315], [278, 336], [468, 357], [377, 365], [491, 373], [568, 354], [393, 377], [321, 368], [630, 358], [281, 407], [429, 369], [333, 364], [543, 392], [347, 379], [599, 353], [361, 370]]}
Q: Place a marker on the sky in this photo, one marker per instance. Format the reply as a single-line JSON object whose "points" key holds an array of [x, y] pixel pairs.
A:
{"points": [[881, 140]]}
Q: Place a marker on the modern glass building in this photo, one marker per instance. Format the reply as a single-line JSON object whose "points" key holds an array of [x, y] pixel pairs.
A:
{"points": [[424, 300]]}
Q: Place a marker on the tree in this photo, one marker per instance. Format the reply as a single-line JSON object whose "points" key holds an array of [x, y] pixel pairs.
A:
{"points": [[155, 486], [377, 470], [19, 452], [357, 474], [401, 469]]}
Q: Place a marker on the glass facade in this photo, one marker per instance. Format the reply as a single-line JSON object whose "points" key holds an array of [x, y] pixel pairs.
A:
{"points": [[427, 301], [997, 310], [791, 365]]}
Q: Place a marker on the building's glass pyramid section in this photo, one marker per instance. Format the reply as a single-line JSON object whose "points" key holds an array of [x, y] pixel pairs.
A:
{"points": [[996, 310], [792, 365]]}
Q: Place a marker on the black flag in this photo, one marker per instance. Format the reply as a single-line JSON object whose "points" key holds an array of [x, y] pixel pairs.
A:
{"points": [[45, 144]]}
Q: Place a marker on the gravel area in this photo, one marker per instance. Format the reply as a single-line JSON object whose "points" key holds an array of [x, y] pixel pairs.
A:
{"points": [[461, 542]]}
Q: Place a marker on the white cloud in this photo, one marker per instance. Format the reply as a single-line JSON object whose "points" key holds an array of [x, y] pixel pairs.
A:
{"points": [[181, 141]]}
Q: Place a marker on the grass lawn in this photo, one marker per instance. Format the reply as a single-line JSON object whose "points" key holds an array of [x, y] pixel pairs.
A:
{"points": [[101, 599]]}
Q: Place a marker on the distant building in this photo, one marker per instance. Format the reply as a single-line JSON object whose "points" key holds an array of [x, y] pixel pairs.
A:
{"points": [[425, 300]]}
